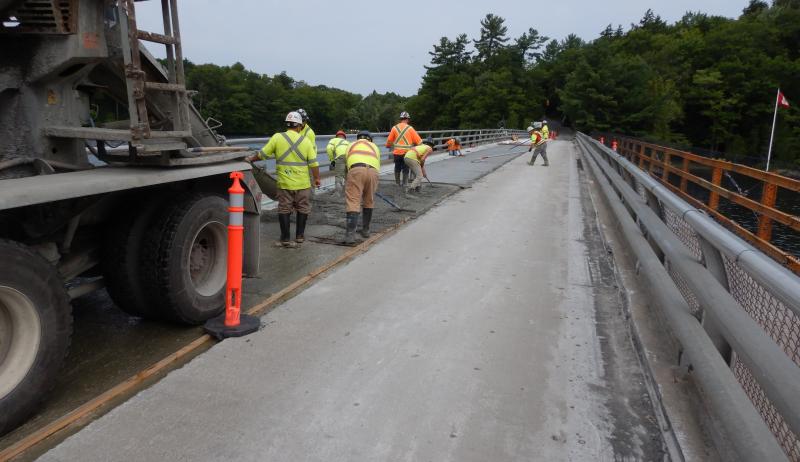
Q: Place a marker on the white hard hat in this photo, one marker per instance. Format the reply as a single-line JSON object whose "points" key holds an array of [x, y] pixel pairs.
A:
{"points": [[544, 122], [405, 115], [294, 117], [530, 129]]}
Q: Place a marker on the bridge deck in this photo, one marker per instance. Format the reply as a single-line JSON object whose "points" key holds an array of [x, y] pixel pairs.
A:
{"points": [[474, 333]]}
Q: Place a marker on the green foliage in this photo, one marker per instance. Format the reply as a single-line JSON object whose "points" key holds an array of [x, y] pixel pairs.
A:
{"points": [[255, 104], [704, 81]]}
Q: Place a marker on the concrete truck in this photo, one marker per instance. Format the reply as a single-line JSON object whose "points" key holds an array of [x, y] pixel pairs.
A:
{"points": [[136, 204]]}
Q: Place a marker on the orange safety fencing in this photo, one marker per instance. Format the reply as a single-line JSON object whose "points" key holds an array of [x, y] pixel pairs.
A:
{"points": [[678, 169]]}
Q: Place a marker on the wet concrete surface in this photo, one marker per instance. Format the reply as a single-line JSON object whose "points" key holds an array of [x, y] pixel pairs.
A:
{"points": [[109, 346], [499, 338]]}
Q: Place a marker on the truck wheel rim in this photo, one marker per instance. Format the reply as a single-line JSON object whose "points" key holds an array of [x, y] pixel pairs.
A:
{"points": [[20, 335], [207, 259]]}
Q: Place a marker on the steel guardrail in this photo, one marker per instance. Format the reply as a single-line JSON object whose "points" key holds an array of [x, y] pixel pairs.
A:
{"points": [[666, 164], [705, 279]]}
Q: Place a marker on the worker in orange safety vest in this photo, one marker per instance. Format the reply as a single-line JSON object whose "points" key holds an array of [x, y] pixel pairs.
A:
{"points": [[402, 137]]}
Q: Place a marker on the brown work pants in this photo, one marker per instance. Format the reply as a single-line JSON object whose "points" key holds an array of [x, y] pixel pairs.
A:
{"points": [[416, 169], [291, 200], [362, 182]]}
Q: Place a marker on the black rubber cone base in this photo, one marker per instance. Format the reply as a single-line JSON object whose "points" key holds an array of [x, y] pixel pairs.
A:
{"points": [[247, 325]]}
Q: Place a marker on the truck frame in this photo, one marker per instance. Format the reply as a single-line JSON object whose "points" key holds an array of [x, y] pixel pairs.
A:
{"points": [[134, 205]]}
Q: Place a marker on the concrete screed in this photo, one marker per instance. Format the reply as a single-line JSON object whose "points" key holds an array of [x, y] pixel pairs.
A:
{"points": [[468, 335]]}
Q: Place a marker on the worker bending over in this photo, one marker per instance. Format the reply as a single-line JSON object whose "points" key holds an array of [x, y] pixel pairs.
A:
{"points": [[294, 156], [363, 165], [537, 144], [454, 147], [415, 160], [401, 138], [337, 149]]}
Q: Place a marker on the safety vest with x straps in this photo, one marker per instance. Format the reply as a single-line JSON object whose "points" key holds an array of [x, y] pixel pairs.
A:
{"points": [[402, 138], [337, 147], [364, 152], [294, 154]]}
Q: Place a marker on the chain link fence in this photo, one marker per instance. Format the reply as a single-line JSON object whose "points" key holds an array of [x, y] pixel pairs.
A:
{"points": [[779, 322]]}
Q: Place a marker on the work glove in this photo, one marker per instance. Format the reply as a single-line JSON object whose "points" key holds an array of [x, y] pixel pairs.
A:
{"points": [[333, 164], [317, 182]]}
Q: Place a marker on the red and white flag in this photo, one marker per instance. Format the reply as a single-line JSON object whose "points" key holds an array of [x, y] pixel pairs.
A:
{"points": [[782, 101]]}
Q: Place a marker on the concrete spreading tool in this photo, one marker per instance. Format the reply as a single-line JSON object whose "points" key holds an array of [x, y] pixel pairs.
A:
{"points": [[395, 206]]}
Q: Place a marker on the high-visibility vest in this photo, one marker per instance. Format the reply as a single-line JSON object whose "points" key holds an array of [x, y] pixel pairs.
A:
{"points": [[419, 153], [364, 152], [310, 135], [402, 137], [337, 147], [536, 138], [294, 155], [545, 132], [451, 144]]}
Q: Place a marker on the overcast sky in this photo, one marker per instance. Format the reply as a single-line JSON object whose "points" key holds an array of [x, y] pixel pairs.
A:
{"points": [[362, 46]]}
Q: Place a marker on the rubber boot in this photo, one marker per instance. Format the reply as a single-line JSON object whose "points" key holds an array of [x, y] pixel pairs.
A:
{"points": [[352, 222], [366, 217], [284, 220], [300, 232]]}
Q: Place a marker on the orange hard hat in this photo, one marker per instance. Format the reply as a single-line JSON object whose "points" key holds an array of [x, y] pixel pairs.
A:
{"points": [[341, 133]]}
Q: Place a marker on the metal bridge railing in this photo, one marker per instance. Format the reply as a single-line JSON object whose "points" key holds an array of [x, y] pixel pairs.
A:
{"points": [[734, 310], [679, 169], [468, 138]]}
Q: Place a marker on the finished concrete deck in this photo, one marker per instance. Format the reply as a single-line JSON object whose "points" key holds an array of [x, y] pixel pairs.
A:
{"points": [[469, 335]]}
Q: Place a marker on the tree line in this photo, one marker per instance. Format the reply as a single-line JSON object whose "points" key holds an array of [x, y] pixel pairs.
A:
{"points": [[703, 81], [249, 103]]}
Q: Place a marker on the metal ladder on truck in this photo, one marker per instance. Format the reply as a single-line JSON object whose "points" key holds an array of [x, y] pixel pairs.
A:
{"points": [[144, 138]]}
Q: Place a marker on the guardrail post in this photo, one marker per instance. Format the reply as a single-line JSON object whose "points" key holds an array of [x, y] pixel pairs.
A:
{"points": [[716, 180], [712, 259], [667, 165], [685, 168], [768, 196]]}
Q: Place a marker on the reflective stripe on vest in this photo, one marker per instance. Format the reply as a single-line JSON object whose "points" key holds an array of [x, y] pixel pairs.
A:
{"points": [[370, 152], [420, 156], [401, 135], [336, 149], [292, 149]]}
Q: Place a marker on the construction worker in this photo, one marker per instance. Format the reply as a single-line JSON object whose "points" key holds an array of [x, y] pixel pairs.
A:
{"points": [[401, 138], [458, 147], [363, 166], [451, 147], [337, 149], [294, 157], [415, 160], [306, 129], [537, 143]]}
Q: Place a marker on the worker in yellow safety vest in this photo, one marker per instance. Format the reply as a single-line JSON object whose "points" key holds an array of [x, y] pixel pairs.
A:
{"points": [[401, 138], [294, 157], [363, 166], [337, 149], [537, 143], [415, 160], [545, 131], [306, 130]]}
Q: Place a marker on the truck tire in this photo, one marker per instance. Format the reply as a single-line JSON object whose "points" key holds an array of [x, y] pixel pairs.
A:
{"points": [[121, 255], [184, 258], [35, 330]]}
